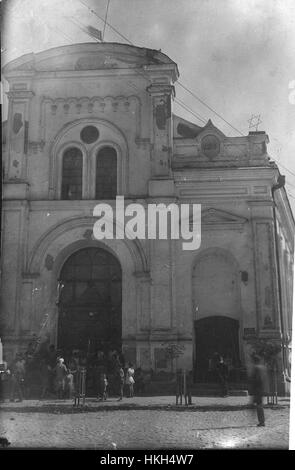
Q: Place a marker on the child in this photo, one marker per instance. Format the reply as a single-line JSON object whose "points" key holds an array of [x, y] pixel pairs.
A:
{"points": [[122, 381], [103, 387]]}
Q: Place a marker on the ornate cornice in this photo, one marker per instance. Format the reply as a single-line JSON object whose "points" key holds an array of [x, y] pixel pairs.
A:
{"points": [[20, 94], [72, 107], [87, 104]]}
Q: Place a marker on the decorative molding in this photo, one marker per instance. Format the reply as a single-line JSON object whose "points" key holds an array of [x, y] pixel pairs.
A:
{"points": [[216, 252], [37, 147], [160, 88], [260, 190], [214, 192], [88, 234], [82, 222], [144, 141], [219, 219], [144, 276], [240, 150], [261, 203], [27, 275], [49, 262], [20, 94], [249, 333], [85, 105]]}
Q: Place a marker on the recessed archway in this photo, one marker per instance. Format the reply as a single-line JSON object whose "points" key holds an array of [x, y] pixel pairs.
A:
{"points": [[216, 334], [216, 310], [90, 304]]}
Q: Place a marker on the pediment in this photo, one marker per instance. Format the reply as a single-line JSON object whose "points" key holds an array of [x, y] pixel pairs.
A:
{"points": [[91, 61], [88, 56], [212, 129], [219, 217]]}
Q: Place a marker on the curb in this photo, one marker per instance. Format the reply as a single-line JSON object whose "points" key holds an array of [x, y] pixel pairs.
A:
{"points": [[70, 409]]}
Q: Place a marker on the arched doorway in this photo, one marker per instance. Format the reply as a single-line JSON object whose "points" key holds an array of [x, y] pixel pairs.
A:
{"points": [[216, 304], [90, 307], [215, 334]]}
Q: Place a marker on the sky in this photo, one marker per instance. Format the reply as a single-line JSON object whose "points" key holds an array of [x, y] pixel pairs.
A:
{"points": [[237, 56]]}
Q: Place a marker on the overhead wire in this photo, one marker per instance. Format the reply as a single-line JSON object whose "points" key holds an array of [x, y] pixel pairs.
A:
{"points": [[207, 106], [178, 101], [187, 108], [102, 19], [82, 28], [283, 166], [105, 21]]}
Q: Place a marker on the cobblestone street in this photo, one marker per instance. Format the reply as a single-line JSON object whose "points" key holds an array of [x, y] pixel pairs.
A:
{"points": [[109, 428]]}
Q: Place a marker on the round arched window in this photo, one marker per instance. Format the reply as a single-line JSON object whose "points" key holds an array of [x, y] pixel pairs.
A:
{"points": [[106, 173], [72, 163]]}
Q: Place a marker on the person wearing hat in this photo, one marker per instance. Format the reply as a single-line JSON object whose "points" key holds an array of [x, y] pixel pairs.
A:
{"points": [[258, 383]]}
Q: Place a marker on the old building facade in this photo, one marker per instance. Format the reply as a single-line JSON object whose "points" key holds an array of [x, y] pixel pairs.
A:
{"points": [[89, 122]]}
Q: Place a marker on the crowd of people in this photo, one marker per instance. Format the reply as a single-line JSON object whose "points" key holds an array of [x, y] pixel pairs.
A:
{"points": [[47, 373]]}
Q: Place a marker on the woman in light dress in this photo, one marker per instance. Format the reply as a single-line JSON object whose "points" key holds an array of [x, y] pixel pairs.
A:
{"points": [[130, 379]]}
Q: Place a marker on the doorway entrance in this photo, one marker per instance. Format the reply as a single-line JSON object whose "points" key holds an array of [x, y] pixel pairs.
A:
{"points": [[90, 308], [216, 334]]}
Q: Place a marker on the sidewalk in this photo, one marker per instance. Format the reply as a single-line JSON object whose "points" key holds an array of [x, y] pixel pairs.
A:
{"points": [[136, 403]]}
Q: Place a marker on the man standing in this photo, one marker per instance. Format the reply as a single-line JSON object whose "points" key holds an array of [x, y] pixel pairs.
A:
{"points": [[258, 382], [222, 373], [17, 378], [51, 359]]}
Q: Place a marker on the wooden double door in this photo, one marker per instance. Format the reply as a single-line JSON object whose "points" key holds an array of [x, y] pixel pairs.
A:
{"points": [[216, 334], [90, 308]]}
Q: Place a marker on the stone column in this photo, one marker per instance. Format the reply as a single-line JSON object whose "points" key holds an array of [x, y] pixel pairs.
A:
{"points": [[143, 301], [267, 281], [266, 272], [163, 306]]}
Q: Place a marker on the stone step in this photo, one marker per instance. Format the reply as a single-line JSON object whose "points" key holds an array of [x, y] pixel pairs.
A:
{"points": [[201, 390], [215, 393], [216, 386]]}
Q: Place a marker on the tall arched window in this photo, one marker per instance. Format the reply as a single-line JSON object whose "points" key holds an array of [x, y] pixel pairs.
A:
{"points": [[106, 173], [72, 165]]}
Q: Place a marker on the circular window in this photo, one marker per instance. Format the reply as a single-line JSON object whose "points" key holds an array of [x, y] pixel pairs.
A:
{"points": [[89, 134], [210, 146]]}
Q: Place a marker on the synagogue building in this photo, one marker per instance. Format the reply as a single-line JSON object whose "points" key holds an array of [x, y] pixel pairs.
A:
{"points": [[89, 122]]}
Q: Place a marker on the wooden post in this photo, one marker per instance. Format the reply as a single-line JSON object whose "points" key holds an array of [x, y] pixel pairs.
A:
{"points": [[184, 387], [80, 390], [179, 388]]}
